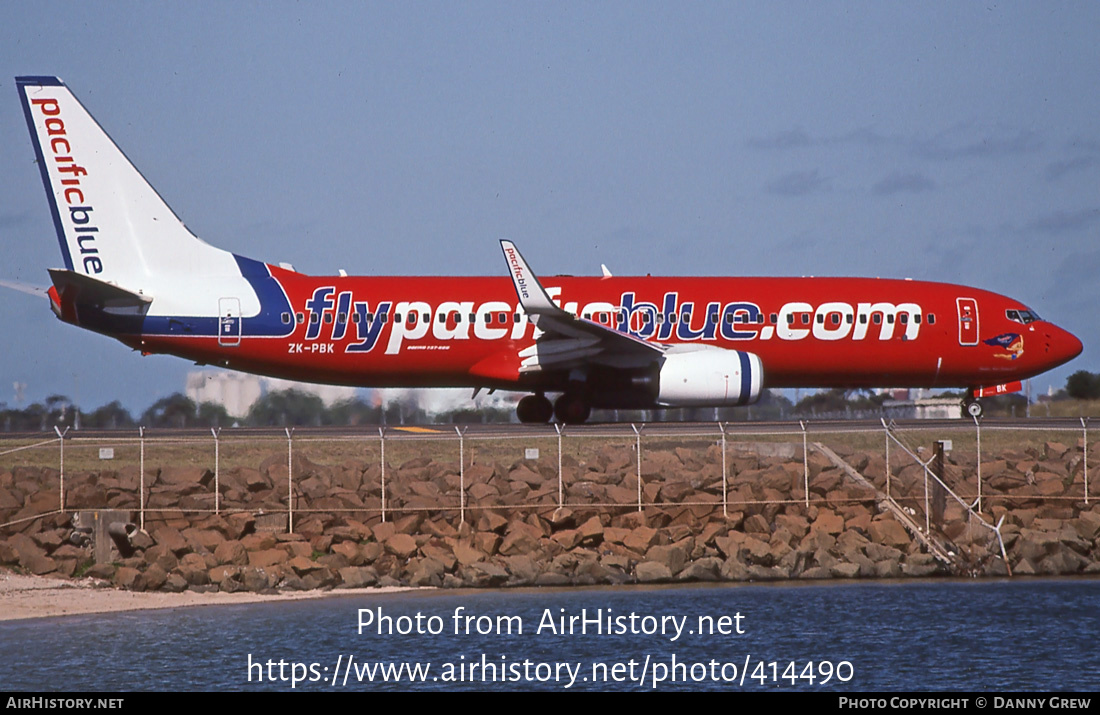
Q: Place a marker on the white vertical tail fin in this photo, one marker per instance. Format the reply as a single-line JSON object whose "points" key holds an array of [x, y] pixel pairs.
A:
{"points": [[112, 225]]}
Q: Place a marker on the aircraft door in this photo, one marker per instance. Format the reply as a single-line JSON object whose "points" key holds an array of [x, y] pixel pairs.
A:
{"points": [[229, 322], [968, 321]]}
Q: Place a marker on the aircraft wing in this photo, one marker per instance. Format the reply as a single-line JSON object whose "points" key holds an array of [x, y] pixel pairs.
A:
{"points": [[564, 340]]}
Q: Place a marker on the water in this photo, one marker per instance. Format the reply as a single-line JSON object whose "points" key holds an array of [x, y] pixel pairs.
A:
{"points": [[962, 636]]}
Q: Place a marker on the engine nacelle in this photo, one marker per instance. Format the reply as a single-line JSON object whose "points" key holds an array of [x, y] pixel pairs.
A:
{"points": [[706, 376]]}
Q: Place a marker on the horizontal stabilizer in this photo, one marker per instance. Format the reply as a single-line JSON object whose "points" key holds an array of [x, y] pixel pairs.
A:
{"points": [[90, 291]]}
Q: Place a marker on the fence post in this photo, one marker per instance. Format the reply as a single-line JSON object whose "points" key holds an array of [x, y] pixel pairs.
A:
{"points": [[141, 477], [289, 480], [382, 440], [61, 441], [638, 442], [927, 508], [217, 471], [805, 464], [886, 431], [561, 501], [725, 500], [978, 429], [461, 474], [1085, 462]]}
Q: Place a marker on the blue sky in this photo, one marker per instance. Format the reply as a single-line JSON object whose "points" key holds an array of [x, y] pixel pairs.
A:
{"points": [[942, 141]]}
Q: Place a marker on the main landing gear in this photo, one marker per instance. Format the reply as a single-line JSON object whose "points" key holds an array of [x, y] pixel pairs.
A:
{"points": [[571, 408], [534, 409]]}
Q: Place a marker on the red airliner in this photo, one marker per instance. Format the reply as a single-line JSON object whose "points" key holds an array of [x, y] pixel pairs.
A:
{"points": [[133, 271]]}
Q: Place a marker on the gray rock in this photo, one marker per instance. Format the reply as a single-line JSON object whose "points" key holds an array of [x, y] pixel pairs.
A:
{"points": [[652, 572]]}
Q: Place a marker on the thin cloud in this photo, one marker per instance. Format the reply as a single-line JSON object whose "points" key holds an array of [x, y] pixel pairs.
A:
{"points": [[945, 147], [15, 219], [798, 138], [799, 183], [959, 143], [1059, 169], [898, 183], [783, 140], [1062, 222]]}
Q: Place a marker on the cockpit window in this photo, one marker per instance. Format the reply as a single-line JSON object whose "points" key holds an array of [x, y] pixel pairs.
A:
{"points": [[1022, 316]]}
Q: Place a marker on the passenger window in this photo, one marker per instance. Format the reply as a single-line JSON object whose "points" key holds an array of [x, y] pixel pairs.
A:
{"points": [[931, 318], [286, 318], [502, 318], [301, 318], [903, 318], [775, 318], [890, 318], [877, 318], [790, 318], [314, 318], [820, 319], [805, 318], [328, 318], [397, 318]]}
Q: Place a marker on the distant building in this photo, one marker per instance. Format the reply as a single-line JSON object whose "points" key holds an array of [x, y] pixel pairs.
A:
{"points": [[436, 401], [926, 408], [237, 391]]}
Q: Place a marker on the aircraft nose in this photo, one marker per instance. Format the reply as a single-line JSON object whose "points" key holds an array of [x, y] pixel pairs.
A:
{"points": [[1064, 345]]}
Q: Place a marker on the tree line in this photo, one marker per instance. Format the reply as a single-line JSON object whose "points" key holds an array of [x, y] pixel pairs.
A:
{"points": [[294, 408]]}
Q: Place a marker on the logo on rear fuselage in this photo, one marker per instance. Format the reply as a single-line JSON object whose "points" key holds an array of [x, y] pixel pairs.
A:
{"points": [[71, 191]]}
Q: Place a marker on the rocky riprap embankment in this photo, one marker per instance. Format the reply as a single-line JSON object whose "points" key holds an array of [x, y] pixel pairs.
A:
{"points": [[769, 533]]}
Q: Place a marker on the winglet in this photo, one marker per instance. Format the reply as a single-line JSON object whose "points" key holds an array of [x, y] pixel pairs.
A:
{"points": [[531, 294], [606, 273]]}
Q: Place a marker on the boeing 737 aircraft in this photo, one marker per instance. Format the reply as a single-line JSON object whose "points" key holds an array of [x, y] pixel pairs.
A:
{"points": [[134, 272]]}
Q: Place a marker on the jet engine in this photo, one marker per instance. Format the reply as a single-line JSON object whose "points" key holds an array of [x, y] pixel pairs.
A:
{"points": [[705, 376]]}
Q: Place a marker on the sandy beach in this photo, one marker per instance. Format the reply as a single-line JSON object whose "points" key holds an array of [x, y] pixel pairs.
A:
{"points": [[42, 597]]}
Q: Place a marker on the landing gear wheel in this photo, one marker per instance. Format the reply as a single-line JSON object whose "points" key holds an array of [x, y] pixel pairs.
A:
{"points": [[973, 407], [572, 409], [534, 409]]}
